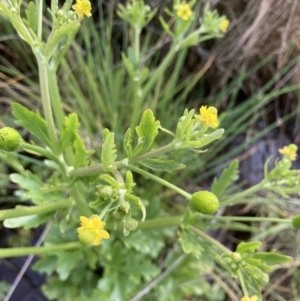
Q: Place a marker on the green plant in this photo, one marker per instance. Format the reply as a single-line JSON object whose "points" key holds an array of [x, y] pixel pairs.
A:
{"points": [[94, 187]]}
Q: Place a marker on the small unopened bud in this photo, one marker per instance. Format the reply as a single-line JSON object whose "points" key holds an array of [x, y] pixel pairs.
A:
{"points": [[107, 192], [204, 202], [10, 139], [130, 224]]}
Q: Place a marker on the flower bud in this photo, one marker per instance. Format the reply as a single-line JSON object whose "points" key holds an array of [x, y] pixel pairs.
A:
{"points": [[204, 202], [10, 139], [296, 221], [130, 224], [236, 257]]}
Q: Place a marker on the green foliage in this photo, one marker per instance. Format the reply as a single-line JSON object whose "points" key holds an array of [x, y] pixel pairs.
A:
{"points": [[228, 176], [79, 182], [31, 16], [69, 131], [32, 122], [146, 131], [162, 165], [108, 155], [252, 266]]}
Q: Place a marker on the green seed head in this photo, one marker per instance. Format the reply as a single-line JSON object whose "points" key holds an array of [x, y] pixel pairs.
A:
{"points": [[204, 202], [10, 139], [296, 221]]}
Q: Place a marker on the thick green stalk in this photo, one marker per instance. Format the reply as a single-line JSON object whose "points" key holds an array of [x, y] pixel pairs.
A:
{"points": [[149, 175], [17, 252], [161, 222], [57, 105], [33, 210], [44, 86], [55, 97], [160, 70]]}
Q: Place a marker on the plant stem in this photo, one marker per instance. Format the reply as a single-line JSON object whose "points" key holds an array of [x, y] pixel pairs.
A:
{"points": [[247, 219], [33, 210], [55, 97], [161, 222], [43, 152], [12, 161], [210, 239], [137, 32], [160, 70], [44, 86], [17, 252], [242, 195], [243, 285], [149, 175], [98, 168]]}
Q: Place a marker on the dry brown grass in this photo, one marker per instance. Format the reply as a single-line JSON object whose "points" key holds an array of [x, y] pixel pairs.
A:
{"points": [[260, 28]]}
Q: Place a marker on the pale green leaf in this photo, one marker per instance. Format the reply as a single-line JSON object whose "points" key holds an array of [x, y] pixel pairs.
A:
{"points": [[147, 131], [32, 122], [31, 15], [70, 128], [272, 258], [137, 201], [228, 176], [162, 165], [190, 243], [127, 143], [248, 247], [108, 154]]}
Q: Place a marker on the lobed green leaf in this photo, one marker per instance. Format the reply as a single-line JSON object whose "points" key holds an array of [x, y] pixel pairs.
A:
{"points": [[146, 131], [32, 122], [162, 165], [228, 176]]}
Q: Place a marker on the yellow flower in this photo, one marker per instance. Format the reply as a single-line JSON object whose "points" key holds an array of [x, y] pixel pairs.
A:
{"points": [[253, 298], [82, 7], [208, 116], [91, 230], [224, 24], [289, 151], [184, 12]]}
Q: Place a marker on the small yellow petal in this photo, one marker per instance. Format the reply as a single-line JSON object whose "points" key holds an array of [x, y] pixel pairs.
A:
{"points": [[82, 7], [224, 25], [208, 116], [104, 234], [84, 220], [91, 230], [184, 12], [290, 151]]}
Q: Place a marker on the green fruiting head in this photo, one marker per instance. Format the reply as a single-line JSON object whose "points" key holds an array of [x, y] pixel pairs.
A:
{"points": [[204, 202], [10, 139], [296, 221]]}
